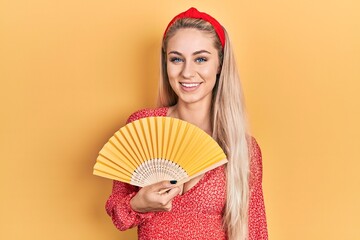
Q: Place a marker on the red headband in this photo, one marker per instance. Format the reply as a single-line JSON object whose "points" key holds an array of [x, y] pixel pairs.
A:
{"points": [[194, 13]]}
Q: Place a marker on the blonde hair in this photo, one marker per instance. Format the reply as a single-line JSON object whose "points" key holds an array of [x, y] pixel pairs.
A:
{"points": [[229, 124]]}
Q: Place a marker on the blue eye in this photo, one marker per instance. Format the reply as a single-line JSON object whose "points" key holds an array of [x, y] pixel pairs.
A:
{"points": [[175, 60], [200, 60]]}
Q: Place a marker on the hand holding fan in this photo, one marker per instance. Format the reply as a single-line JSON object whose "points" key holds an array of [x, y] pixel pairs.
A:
{"points": [[154, 149]]}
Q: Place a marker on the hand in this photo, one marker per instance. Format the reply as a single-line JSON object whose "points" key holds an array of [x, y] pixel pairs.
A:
{"points": [[148, 199]]}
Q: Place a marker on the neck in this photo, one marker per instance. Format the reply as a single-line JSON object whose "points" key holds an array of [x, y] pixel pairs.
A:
{"points": [[196, 114]]}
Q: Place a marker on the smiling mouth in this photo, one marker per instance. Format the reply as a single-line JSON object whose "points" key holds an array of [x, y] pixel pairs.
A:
{"points": [[190, 85]]}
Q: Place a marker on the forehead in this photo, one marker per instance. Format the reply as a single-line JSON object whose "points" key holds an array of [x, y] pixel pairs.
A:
{"points": [[189, 39]]}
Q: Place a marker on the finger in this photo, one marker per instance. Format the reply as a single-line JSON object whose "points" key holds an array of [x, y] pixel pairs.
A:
{"points": [[181, 186], [174, 183], [168, 207], [173, 192], [165, 208], [164, 185]]}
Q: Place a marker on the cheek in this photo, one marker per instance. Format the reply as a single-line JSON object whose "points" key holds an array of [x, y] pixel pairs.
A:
{"points": [[209, 72], [172, 72]]}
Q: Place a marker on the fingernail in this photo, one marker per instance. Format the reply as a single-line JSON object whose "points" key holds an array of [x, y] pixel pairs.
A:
{"points": [[173, 181]]}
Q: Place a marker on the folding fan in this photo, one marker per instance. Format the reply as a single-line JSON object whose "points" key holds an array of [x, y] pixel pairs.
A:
{"points": [[154, 149]]}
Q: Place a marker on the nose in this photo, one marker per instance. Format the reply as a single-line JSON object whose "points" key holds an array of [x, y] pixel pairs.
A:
{"points": [[188, 70]]}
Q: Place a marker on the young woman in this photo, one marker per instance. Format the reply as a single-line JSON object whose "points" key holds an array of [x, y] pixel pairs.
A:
{"points": [[199, 84]]}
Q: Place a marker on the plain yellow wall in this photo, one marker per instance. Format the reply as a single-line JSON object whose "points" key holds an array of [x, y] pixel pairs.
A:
{"points": [[71, 72]]}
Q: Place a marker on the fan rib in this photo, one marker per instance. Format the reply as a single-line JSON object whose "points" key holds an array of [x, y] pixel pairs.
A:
{"points": [[174, 140], [185, 132], [106, 174], [160, 134], [135, 130], [167, 127], [152, 132], [138, 126], [124, 133], [147, 131], [112, 168], [200, 155], [199, 146], [142, 134], [204, 170], [210, 161], [112, 159], [191, 146], [192, 139], [123, 153]]}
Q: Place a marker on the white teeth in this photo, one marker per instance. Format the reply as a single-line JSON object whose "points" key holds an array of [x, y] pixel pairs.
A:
{"points": [[189, 85]]}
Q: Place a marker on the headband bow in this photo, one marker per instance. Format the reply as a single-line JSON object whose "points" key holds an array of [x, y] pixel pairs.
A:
{"points": [[194, 13]]}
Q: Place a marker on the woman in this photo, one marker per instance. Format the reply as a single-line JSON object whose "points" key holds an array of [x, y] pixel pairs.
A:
{"points": [[199, 84]]}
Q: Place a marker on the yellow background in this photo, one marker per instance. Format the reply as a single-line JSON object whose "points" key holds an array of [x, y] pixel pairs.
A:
{"points": [[71, 72]]}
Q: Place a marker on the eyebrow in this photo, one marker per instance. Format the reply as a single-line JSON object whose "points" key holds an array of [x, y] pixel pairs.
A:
{"points": [[195, 53]]}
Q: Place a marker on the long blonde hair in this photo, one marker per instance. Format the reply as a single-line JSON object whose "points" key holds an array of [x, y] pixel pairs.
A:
{"points": [[229, 124]]}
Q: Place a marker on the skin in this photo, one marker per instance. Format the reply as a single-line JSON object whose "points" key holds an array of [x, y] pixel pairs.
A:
{"points": [[192, 66]]}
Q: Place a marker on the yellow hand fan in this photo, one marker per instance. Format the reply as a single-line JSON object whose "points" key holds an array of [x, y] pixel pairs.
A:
{"points": [[154, 149]]}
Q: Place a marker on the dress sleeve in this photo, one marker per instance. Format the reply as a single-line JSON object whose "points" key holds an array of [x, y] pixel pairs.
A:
{"points": [[257, 216], [118, 205], [119, 209]]}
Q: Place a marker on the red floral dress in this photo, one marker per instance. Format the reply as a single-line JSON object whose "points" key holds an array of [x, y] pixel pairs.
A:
{"points": [[195, 215]]}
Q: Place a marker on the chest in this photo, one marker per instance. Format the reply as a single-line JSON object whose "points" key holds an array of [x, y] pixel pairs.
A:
{"points": [[208, 195]]}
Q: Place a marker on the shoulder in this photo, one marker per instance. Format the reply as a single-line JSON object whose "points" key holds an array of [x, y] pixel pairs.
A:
{"points": [[147, 112], [255, 160]]}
